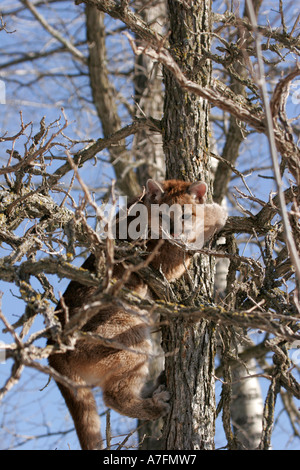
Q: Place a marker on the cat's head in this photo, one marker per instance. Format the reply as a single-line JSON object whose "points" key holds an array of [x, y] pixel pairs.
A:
{"points": [[173, 210], [175, 192], [176, 210]]}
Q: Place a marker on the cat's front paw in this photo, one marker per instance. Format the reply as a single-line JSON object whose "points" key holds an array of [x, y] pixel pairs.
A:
{"points": [[215, 215], [160, 397]]}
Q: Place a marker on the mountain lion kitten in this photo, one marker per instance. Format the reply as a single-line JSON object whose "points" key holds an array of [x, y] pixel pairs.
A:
{"points": [[122, 372]]}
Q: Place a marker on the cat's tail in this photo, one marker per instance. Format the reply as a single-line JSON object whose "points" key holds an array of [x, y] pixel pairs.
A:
{"points": [[82, 406]]}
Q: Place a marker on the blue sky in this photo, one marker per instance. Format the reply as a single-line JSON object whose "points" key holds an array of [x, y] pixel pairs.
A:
{"points": [[31, 408]]}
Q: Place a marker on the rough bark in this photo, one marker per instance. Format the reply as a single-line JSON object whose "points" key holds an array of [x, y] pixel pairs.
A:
{"points": [[189, 346]]}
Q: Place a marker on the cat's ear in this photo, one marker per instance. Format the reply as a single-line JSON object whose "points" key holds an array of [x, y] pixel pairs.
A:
{"points": [[198, 190], [154, 190]]}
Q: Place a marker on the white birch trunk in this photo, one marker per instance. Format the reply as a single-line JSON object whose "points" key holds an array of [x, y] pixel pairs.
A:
{"points": [[247, 407], [247, 403]]}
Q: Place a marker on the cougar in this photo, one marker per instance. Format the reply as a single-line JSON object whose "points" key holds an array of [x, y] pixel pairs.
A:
{"points": [[121, 369]]}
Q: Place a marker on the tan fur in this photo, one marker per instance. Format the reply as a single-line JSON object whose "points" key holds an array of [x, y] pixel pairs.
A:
{"points": [[122, 371]]}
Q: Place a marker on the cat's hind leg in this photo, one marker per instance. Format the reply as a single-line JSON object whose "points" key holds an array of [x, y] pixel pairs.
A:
{"points": [[125, 395]]}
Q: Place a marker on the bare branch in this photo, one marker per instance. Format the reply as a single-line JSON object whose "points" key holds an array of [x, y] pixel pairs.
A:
{"points": [[217, 96], [272, 142], [127, 16], [69, 46], [92, 150]]}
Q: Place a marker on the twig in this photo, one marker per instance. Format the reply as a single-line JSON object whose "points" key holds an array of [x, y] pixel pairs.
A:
{"points": [[14, 378], [211, 94], [31, 155], [91, 150], [70, 47], [271, 138], [134, 22], [220, 96]]}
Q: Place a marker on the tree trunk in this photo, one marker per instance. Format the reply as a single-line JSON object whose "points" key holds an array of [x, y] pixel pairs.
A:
{"points": [[104, 97], [247, 407], [150, 159], [189, 347], [147, 147]]}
